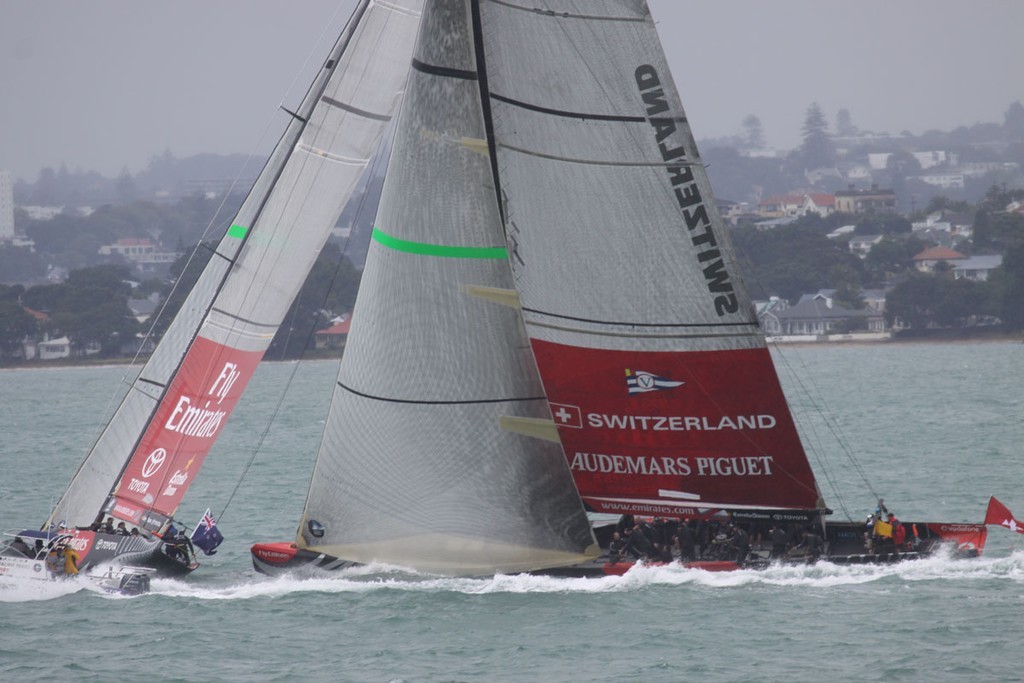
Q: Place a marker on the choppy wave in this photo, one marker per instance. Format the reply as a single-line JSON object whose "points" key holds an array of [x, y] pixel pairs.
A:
{"points": [[30, 590]]}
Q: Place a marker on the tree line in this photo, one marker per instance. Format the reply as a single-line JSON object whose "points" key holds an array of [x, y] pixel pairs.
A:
{"points": [[92, 306]]}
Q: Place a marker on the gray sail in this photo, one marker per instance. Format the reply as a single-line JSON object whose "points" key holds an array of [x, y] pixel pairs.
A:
{"points": [[663, 392], [414, 469], [149, 453]]}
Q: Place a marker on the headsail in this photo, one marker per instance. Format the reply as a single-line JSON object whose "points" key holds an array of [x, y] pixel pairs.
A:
{"points": [[414, 468], [665, 396], [149, 453]]}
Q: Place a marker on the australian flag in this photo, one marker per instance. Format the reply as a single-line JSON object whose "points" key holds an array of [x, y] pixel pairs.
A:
{"points": [[207, 536]]}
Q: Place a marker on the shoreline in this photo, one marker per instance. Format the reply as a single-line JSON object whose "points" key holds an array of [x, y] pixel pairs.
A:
{"points": [[939, 337]]}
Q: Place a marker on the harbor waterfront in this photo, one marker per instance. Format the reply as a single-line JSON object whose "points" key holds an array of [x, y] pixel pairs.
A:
{"points": [[936, 429]]}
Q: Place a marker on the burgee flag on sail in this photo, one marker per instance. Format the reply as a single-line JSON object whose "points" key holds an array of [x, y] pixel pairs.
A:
{"points": [[640, 382], [1000, 515]]}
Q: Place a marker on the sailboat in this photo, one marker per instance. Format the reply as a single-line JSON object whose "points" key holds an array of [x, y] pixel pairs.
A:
{"points": [[551, 323], [150, 452]]}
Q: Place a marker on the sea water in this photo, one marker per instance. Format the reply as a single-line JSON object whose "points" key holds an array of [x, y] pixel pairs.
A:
{"points": [[935, 429]]}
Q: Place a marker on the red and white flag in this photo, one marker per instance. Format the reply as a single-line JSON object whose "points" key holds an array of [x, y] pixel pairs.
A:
{"points": [[1000, 515]]}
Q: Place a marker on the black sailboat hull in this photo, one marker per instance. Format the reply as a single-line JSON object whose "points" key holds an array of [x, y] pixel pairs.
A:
{"points": [[846, 544], [98, 550]]}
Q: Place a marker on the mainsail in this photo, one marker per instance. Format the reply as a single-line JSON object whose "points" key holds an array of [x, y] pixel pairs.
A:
{"points": [[413, 468], [149, 454], [662, 389]]}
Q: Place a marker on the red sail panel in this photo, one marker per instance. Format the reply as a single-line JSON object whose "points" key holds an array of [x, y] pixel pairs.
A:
{"points": [[198, 403], [675, 432]]}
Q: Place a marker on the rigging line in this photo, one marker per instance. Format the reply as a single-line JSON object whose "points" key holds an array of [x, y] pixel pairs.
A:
{"points": [[341, 46], [379, 158], [256, 215], [259, 443], [313, 98], [832, 427]]}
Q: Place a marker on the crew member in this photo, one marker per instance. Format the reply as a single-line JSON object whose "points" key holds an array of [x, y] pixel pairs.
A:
{"points": [[779, 539], [71, 560], [740, 541]]}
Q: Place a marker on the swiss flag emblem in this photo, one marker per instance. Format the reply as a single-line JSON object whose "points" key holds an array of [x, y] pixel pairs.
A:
{"points": [[567, 415]]}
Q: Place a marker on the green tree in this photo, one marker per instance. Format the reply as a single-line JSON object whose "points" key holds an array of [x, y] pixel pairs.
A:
{"points": [[19, 265], [883, 224], [753, 132], [816, 150], [45, 191], [846, 281], [126, 190], [926, 300], [844, 124], [15, 322], [1013, 122], [184, 273], [329, 291], [791, 260], [891, 257], [92, 306], [1011, 304]]}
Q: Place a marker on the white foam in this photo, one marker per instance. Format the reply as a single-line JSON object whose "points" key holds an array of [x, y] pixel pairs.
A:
{"points": [[822, 575]]}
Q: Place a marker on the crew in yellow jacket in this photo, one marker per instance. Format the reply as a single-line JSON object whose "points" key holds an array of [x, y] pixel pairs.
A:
{"points": [[70, 561]]}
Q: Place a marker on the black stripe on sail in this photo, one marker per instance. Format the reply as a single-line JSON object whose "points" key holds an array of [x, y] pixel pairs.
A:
{"points": [[354, 110], [750, 323], [441, 403], [565, 15], [443, 71], [243, 320], [576, 114]]}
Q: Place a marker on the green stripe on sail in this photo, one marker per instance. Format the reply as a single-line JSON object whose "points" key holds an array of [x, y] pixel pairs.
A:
{"points": [[237, 231], [438, 249]]}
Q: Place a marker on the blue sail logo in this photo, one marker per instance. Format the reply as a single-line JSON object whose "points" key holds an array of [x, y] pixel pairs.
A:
{"points": [[641, 382]]}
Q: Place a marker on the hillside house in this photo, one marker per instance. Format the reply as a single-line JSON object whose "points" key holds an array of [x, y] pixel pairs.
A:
{"points": [[818, 314], [768, 315], [860, 245], [141, 252], [335, 336], [976, 267], [926, 260], [862, 201]]}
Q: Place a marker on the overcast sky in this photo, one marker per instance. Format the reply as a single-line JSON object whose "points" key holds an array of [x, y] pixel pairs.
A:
{"points": [[107, 84]]}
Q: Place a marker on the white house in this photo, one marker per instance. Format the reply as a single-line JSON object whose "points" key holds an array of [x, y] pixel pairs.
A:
{"points": [[860, 245], [976, 267], [54, 349]]}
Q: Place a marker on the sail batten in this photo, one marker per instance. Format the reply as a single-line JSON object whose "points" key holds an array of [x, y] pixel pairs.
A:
{"points": [[440, 402], [443, 71], [356, 110], [564, 14], [586, 116]]}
